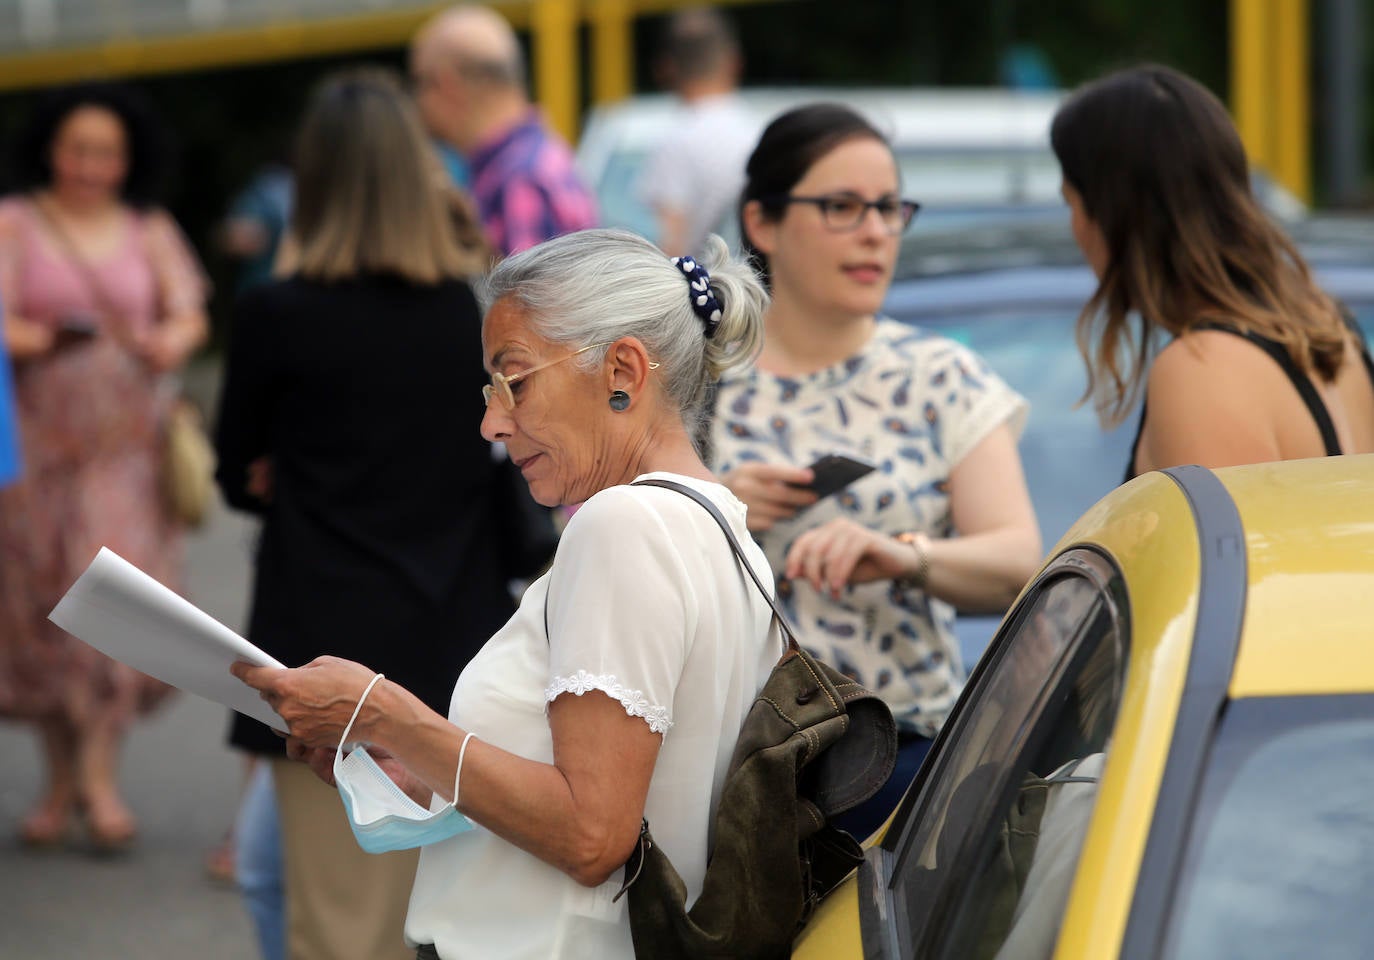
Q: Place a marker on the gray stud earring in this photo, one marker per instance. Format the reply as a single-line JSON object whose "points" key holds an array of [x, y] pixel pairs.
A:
{"points": [[620, 401]]}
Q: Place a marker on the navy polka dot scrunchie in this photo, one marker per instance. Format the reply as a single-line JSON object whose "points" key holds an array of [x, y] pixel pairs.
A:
{"points": [[704, 302]]}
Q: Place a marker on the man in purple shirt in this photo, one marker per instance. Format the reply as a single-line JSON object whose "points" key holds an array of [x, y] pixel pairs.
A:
{"points": [[469, 77]]}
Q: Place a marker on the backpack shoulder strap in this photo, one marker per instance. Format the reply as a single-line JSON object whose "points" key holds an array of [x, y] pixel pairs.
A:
{"points": [[714, 511]]}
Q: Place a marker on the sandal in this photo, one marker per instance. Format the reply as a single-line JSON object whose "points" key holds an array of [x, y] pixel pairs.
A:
{"points": [[47, 826], [110, 827]]}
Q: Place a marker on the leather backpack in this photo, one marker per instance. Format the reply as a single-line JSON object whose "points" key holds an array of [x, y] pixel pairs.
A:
{"points": [[814, 744]]}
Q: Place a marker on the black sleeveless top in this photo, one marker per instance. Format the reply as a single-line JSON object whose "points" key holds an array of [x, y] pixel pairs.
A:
{"points": [[1301, 382]]}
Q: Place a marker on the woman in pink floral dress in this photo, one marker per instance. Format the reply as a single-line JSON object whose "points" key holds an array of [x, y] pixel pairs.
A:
{"points": [[103, 301]]}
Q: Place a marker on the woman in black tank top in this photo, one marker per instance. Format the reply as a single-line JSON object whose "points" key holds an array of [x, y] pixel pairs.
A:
{"points": [[1158, 186]]}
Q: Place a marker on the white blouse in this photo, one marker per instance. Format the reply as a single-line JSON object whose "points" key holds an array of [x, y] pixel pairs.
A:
{"points": [[646, 604]]}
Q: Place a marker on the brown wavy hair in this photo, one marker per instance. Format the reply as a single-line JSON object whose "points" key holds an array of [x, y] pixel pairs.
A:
{"points": [[1162, 173]]}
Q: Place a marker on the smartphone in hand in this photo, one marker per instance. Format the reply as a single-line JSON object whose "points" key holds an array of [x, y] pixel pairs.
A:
{"points": [[833, 472], [75, 326]]}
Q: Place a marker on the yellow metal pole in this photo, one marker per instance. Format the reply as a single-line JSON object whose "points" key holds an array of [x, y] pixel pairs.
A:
{"points": [[612, 50], [1291, 129], [1250, 22], [554, 26]]}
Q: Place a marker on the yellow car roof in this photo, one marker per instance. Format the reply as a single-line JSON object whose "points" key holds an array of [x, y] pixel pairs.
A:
{"points": [[1309, 533], [1290, 558], [1307, 544]]}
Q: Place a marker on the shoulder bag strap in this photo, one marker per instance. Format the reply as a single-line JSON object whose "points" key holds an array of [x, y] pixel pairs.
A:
{"points": [[75, 257], [714, 511]]}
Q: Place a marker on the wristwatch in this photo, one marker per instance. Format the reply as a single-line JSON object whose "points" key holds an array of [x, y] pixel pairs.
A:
{"points": [[921, 544]]}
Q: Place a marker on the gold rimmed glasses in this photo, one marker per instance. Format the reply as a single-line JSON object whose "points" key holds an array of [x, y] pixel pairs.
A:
{"points": [[500, 383]]}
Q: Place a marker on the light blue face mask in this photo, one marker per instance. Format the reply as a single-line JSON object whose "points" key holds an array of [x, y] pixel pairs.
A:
{"points": [[383, 818]]}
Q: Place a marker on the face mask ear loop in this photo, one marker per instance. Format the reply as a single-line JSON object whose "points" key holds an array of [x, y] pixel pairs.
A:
{"points": [[356, 710]]}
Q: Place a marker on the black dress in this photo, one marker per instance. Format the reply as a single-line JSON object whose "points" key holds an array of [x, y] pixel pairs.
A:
{"points": [[382, 539]]}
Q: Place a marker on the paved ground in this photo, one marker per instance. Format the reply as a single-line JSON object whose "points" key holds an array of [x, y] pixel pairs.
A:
{"points": [[183, 782]]}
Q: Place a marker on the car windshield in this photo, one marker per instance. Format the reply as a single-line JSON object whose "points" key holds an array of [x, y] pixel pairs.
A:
{"points": [[1281, 856]]}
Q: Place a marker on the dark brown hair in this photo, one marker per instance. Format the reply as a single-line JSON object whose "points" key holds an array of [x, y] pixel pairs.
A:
{"points": [[1163, 175], [788, 148], [147, 141]]}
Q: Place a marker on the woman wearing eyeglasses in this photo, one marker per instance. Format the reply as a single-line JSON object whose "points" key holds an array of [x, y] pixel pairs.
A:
{"points": [[872, 574], [618, 689]]}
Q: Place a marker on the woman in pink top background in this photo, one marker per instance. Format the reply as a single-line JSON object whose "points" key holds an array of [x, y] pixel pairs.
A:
{"points": [[104, 300]]}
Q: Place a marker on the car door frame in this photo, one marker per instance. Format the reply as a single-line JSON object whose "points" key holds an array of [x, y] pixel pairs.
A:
{"points": [[884, 931]]}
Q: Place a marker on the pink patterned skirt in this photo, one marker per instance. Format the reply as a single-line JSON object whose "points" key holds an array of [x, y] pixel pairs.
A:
{"points": [[90, 418]]}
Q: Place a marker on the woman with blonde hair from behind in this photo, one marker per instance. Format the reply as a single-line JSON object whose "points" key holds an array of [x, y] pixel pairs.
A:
{"points": [[348, 423], [1261, 365]]}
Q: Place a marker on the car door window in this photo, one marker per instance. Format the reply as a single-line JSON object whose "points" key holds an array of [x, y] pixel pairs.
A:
{"points": [[1280, 859], [984, 866]]}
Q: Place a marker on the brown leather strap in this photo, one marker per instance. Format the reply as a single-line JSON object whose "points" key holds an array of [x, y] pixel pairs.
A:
{"points": [[83, 266]]}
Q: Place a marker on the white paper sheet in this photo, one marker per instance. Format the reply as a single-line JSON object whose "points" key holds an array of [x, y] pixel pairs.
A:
{"points": [[129, 616]]}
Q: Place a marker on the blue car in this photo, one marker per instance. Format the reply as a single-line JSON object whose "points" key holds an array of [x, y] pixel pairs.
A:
{"points": [[1013, 293]]}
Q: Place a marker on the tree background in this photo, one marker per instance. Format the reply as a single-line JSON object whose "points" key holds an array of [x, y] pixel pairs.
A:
{"points": [[227, 122]]}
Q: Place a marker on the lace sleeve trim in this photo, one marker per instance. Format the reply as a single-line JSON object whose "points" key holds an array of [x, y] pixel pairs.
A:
{"points": [[633, 701]]}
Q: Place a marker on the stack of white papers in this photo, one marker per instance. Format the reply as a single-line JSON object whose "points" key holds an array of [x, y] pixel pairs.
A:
{"points": [[129, 616]]}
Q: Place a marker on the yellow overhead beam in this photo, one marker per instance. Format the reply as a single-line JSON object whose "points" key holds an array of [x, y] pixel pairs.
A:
{"points": [[284, 39], [1271, 88], [554, 26]]}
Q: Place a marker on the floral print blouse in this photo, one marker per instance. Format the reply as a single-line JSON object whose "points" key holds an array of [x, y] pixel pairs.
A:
{"points": [[915, 404]]}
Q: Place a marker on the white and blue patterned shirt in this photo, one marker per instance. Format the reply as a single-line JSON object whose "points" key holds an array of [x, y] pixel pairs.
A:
{"points": [[916, 404]]}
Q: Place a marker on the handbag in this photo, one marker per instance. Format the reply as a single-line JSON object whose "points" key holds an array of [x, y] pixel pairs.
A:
{"points": [[814, 744], [188, 466], [188, 457]]}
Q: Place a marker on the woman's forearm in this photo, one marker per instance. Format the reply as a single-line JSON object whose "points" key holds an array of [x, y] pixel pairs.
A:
{"points": [[186, 333], [982, 572], [530, 804]]}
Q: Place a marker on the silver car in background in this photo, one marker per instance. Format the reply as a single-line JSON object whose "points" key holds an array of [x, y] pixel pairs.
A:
{"points": [[967, 155]]}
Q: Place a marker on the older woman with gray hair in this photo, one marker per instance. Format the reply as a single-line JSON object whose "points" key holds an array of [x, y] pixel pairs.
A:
{"points": [[617, 690]]}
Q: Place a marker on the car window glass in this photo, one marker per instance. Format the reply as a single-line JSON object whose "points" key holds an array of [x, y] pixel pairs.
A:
{"points": [[957, 185], [1281, 859], [1019, 767]]}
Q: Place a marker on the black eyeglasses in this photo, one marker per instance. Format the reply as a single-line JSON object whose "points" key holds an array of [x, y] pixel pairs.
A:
{"points": [[845, 211]]}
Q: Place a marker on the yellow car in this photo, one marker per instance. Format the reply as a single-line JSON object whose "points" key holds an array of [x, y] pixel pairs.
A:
{"points": [[1167, 751]]}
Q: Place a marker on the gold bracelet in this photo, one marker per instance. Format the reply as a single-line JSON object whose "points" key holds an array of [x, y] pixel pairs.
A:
{"points": [[921, 544]]}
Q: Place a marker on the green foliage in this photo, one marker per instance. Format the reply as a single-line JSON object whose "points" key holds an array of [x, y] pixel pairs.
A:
{"points": [[939, 42]]}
